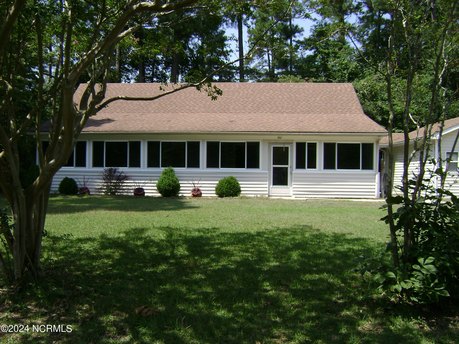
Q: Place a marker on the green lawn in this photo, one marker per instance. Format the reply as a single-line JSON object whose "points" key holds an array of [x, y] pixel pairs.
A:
{"points": [[214, 271]]}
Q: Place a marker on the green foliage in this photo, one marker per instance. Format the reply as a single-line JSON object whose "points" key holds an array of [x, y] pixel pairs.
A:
{"points": [[6, 228], [430, 269], [68, 186], [113, 181], [168, 184], [228, 187], [419, 283]]}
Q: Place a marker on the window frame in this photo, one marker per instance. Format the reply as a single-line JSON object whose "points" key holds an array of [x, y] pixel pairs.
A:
{"points": [[127, 153], [161, 154], [74, 156], [306, 168], [456, 161], [245, 152], [348, 169]]}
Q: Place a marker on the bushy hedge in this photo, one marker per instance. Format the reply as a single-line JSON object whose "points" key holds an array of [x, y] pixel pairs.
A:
{"points": [[68, 186], [168, 184], [228, 187]]}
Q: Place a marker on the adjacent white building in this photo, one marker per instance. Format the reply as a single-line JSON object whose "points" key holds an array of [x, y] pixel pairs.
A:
{"points": [[442, 148]]}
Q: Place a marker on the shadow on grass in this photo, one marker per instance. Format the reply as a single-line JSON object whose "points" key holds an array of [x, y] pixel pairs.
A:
{"points": [[207, 286], [76, 204]]}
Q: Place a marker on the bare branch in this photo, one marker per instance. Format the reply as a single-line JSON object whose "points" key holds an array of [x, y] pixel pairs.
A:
{"points": [[174, 90]]}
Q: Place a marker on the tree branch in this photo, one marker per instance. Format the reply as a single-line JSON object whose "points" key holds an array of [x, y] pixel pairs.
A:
{"points": [[7, 27], [132, 9]]}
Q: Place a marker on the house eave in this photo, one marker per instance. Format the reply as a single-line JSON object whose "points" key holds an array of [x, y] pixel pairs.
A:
{"points": [[377, 134]]}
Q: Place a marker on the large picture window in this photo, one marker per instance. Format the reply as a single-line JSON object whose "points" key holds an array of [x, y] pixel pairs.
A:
{"points": [[233, 154], [173, 154], [116, 154], [306, 155], [348, 156]]}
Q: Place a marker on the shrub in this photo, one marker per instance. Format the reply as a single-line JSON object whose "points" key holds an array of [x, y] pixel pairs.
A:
{"points": [[113, 181], [84, 190], [228, 187], [429, 271], [168, 184], [68, 186]]}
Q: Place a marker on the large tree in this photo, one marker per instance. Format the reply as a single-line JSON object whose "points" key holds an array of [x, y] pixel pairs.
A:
{"points": [[47, 48], [276, 54]]}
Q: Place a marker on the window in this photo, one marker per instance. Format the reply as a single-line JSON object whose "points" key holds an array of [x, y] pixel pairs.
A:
{"points": [[193, 154], [452, 161], [78, 156], [253, 155], [116, 154], [213, 154], [367, 156], [348, 156], [306, 155], [233, 154], [153, 154], [173, 154], [329, 156]]}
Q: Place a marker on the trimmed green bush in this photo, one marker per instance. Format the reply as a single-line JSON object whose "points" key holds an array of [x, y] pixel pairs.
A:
{"points": [[68, 186], [228, 187], [168, 184]]}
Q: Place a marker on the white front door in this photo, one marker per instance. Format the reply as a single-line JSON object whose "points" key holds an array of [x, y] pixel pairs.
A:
{"points": [[281, 177]]}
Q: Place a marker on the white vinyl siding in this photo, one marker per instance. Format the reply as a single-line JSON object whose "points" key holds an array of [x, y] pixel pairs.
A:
{"points": [[331, 185], [452, 180], [253, 183]]}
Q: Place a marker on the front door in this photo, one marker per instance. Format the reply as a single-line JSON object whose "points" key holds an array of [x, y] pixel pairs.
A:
{"points": [[280, 170]]}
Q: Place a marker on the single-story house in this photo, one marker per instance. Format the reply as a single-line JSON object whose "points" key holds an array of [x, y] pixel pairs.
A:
{"points": [[440, 150], [278, 139]]}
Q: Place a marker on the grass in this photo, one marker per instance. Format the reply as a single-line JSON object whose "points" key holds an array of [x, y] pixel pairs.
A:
{"points": [[152, 270]]}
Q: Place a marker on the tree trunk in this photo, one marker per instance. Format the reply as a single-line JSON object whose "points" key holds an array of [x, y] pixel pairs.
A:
{"points": [[29, 212], [240, 40], [175, 68], [290, 67], [118, 63], [141, 76]]}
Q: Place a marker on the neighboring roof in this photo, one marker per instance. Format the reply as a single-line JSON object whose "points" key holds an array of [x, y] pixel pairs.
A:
{"points": [[398, 138], [243, 107]]}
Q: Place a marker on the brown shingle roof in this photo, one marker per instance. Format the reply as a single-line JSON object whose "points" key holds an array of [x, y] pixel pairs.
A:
{"points": [[398, 138], [243, 107]]}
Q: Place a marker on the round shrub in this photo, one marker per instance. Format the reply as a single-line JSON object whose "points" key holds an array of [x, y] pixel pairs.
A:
{"points": [[168, 184], [228, 187], [68, 186]]}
